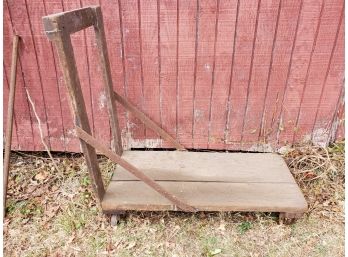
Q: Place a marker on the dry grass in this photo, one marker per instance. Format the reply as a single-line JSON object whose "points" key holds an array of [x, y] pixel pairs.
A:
{"points": [[55, 214]]}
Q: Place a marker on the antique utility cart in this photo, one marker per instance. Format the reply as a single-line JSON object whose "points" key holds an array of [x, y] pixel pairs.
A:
{"points": [[166, 180]]}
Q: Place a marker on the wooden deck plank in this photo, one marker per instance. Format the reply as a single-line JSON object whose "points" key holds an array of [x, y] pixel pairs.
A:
{"points": [[206, 196], [207, 181], [207, 166]]}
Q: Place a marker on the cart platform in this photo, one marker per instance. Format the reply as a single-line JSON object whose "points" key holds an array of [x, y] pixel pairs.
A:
{"points": [[209, 181], [165, 180]]}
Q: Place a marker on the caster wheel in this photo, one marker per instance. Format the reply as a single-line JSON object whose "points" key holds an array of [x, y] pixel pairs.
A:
{"points": [[115, 219], [288, 218]]}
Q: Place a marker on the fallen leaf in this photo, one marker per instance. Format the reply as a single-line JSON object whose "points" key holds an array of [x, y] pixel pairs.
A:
{"points": [[222, 227], [131, 245], [215, 252], [41, 176]]}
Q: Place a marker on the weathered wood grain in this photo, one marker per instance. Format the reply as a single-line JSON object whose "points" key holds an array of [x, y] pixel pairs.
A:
{"points": [[65, 51], [209, 166], [262, 88], [187, 18], [99, 97], [112, 21], [150, 65], [47, 70], [279, 70], [116, 143], [70, 143], [306, 40], [332, 95], [206, 197], [83, 64], [207, 18], [22, 112], [208, 181], [265, 38], [167, 18], [328, 31], [241, 71], [226, 29], [28, 59], [135, 130]]}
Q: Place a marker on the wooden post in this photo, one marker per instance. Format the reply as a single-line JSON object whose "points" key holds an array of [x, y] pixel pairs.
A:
{"points": [[9, 124], [105, 65], [55, 30]]}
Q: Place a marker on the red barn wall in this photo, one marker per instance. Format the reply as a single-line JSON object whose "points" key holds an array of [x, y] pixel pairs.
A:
{"points": [[216, 74]]}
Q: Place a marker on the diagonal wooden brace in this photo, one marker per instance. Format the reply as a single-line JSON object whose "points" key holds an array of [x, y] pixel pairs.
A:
{"points": [[132, 169]]}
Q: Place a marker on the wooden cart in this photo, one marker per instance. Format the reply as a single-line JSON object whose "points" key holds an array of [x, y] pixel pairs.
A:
{"points": [[166, 180]]}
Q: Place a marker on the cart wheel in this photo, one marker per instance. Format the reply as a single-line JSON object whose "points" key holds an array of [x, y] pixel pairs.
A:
{"points": [[289, 218], [115, 219]]}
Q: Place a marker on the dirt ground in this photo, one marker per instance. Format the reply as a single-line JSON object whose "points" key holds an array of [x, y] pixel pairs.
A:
{"points": [[54, 213]]}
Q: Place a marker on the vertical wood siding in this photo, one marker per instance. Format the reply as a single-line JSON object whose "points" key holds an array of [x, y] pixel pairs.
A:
{"points": [[216, 74]]}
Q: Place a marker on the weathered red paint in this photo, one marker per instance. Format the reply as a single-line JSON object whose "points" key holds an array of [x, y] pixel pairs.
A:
{"points": [[217, 74]]}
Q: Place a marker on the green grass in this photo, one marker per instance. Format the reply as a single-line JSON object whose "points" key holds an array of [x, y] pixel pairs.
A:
{"points": [[61, 217]]}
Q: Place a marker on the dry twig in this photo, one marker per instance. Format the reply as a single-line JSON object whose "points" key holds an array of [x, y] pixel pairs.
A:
{"points": [[40, 130]]}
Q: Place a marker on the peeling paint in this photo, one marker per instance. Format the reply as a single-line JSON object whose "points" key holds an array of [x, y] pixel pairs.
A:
{"points": [[284, 149], [261, 147], [198, 114], [320, 137], [306, 139], [129, 142], [102, 101], [65, 140], [146, 143], [207, 67], [71, 132]]}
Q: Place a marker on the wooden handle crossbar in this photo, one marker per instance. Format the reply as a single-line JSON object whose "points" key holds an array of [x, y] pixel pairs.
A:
{"points": [[70, 22]]}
